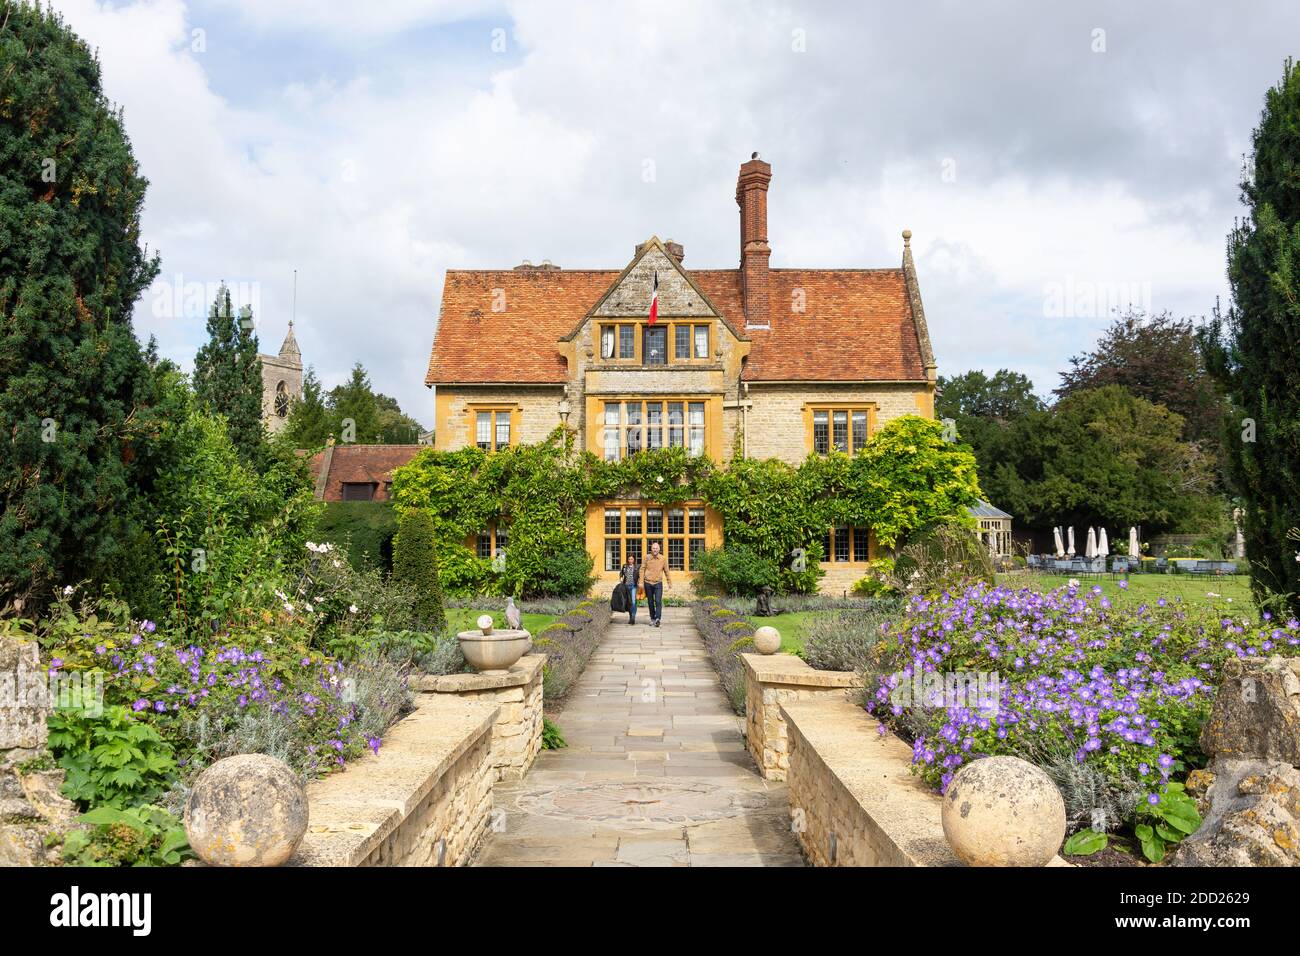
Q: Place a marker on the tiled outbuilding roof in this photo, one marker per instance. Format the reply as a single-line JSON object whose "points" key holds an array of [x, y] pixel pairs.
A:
{"points": [[360, 464]]}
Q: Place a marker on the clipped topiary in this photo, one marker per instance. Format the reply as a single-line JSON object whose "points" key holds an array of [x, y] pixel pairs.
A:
{"points": [[416, 566]]}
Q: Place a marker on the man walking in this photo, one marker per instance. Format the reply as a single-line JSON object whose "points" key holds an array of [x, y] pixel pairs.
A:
{"points": [[654, 575]]}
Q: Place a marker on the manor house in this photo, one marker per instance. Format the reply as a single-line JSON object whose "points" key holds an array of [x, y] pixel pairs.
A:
{"points": [[756, 361]]}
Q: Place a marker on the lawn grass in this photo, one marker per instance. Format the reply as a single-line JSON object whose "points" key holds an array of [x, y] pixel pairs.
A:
{"points": [[1230, 591], [464, 618], [790, 625]]}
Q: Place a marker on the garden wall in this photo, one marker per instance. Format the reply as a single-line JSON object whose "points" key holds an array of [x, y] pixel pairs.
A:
{"points": [[424, 800], [853, 798], [776, 679], [517, 729]]}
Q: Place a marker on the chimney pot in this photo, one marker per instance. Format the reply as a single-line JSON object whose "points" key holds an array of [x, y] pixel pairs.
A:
{"points": [[675, 249]]}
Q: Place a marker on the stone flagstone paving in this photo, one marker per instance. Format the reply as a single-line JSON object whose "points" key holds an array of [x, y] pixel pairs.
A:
{"points": [[655, 774]]}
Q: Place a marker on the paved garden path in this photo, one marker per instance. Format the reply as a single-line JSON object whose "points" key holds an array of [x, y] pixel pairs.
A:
{"points": [[655, 774]]}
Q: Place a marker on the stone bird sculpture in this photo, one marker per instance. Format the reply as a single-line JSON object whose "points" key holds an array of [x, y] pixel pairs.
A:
{"points": [[514, 619]]}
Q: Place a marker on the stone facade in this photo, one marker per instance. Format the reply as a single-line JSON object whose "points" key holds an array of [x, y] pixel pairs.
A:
{"points": [[31, 806], [527, 342], [424, 800], [776, 679], [281, 382], [517, 695]]}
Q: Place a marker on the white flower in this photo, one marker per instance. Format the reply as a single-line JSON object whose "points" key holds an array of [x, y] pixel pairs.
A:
{"points": [[67, 591], [336, 563], [311, 545], [309, 608], [288, 607], [270, 640], [1074, 582], [352, 609]]}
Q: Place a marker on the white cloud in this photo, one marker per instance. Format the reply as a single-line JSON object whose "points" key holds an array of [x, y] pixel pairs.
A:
{"points": [[372, 179]]}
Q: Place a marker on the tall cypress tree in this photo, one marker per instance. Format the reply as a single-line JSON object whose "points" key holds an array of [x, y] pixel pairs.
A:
{"points": [[1255, 349], [75, 391], [228, 375]]}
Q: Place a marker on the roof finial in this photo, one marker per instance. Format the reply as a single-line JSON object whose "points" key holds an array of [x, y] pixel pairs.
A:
{"points": [[907, 237]]}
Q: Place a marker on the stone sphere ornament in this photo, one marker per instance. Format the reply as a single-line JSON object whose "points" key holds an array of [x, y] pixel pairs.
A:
{"points": [[1003, 811], [767, 639], [247, 810], [485, 623]]}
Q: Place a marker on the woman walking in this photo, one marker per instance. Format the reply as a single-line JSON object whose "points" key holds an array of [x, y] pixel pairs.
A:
{"points": [[629, 577]]}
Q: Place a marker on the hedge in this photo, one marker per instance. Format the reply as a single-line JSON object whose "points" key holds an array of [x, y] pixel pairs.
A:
{"points": [[363, 529]]}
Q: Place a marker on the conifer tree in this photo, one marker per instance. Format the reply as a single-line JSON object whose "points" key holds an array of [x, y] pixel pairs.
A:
{"points": [[75, 392], [1254, 350], [228, 375]]}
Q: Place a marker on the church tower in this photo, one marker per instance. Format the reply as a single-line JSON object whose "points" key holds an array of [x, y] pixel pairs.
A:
{"points": [[281, 382]]}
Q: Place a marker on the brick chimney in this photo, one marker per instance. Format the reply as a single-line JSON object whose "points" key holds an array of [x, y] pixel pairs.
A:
{"points": [[751, 196]]}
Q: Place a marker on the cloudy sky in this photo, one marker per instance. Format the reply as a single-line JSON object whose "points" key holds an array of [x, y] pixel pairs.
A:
{"points": [[1053, 164]]}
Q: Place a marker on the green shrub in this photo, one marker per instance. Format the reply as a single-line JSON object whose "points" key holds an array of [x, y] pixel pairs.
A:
{"points": [[364, 529], [139, 836], [736, 569], [113, 760], [416, 566], [877, 582], [568, 572], [552, 739]]}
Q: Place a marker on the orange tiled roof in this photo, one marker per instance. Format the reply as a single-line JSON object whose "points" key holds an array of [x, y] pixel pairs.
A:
{"points": [[857, 324], [364, 464]]}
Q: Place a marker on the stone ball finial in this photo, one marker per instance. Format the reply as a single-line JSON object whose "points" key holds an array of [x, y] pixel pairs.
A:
{"points": [[767, 639], [484, 623], [248, 810], [907, 236], [1003, 811]]}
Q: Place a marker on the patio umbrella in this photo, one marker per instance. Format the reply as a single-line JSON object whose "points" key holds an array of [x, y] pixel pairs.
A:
{"points": [[1090, 549], [1103, 544], [1069, 548], [1133, 551], [1060, 548]]}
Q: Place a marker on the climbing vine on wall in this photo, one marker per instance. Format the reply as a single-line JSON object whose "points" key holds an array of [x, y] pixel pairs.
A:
{"points": [[906, 478]]}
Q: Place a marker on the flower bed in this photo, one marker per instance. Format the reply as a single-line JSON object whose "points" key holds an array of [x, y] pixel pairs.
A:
{"points": [[1108, 698], [568, 644], [725, 635]]}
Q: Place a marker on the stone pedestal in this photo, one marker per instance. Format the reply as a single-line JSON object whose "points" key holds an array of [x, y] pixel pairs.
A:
{"points": [[517, 732], [776, 679]]}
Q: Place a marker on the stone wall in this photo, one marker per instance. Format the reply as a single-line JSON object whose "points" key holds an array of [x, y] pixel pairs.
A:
{"points": [[773, 680], [424, 800], [517, 695], [31, 806], [853, 798], [536, 412], [775, 425]]}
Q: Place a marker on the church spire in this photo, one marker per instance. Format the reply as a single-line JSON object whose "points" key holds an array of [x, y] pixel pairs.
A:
{"points": [[289, 350]]}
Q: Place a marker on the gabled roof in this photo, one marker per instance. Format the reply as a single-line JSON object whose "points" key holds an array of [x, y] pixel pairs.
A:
{"points": [[856, 324], [363, 464]]}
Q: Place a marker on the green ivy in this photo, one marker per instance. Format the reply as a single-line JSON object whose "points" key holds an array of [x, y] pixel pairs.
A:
{"points": [[905, 479]]}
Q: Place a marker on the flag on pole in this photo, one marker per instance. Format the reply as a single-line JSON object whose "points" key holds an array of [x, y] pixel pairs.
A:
{"points": [[654, 300]]}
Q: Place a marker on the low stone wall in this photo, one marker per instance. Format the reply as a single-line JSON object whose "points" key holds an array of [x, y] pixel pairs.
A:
{"points": [[853, 798], [424, 800], [517, 731], [775, 679]]}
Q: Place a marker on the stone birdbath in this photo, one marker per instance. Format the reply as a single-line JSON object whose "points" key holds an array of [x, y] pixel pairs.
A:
{"points": [[492, 651]]}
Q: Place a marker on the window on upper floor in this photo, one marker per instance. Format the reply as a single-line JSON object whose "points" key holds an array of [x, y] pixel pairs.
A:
{"points": [[492, 430], [840, 428], [634, 425], [664, 343]]}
